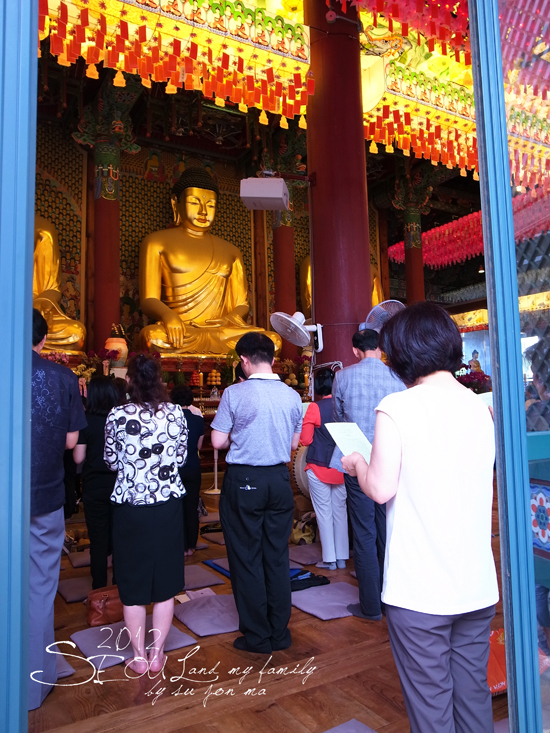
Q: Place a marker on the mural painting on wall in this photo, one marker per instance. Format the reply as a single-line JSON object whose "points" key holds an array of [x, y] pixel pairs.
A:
{"points": [[58, 198], [154, 168], [301, 236], [146, 182], [178, 168]]}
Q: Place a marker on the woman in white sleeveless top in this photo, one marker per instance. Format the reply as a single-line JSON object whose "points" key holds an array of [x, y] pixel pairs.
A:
{"points": [[432, 462]]}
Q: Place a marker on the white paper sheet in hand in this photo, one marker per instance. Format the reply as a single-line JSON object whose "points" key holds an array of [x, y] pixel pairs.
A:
{"points": [[487, 397], [349, 437]]}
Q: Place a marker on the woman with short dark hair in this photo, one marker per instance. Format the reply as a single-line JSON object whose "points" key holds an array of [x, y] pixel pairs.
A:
{"points": [[98, 481], [146, 442], [121, 386], [190, 473], [440, 584], [326, 485]]}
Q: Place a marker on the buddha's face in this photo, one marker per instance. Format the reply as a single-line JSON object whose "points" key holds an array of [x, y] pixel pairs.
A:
{"points": [[196, 209]]}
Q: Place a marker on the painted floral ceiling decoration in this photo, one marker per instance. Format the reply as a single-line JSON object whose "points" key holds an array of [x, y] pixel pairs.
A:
{"points": [[419, 97], [231, 51]]}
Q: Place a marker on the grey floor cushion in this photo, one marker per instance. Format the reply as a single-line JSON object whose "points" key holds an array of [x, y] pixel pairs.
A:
{"points": [[79, 559], [210, 517], [64, 669], [201, 546], [198, 577], [222, 562], [352, 726], [326, 601], [209, 615], [502, 726], [82, 559], [105, 646], [353, 574], [216, 537], [306, 554], [77, 589]]}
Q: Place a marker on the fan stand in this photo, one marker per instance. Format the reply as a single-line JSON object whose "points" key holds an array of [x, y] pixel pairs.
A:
{"points": [[214, 490]]}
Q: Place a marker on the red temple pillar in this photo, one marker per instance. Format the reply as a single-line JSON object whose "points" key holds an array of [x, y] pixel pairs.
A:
{"points": [[414, 260], [106, 242], [284, 268], [337, 165]]}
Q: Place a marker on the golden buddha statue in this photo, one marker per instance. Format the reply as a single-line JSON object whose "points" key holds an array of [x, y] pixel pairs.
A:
{"points": [[191, 282], [305, 286], [64, 334]]}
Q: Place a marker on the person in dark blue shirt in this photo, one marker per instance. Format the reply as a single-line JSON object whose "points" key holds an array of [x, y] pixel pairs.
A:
{"points": [[57, 416], [190, 473]]}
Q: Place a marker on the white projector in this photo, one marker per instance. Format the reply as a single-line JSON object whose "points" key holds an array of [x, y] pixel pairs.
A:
{"points": [[269, 194]]}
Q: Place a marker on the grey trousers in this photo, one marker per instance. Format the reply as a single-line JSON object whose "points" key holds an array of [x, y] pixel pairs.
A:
{"points": [[47, 535], [442, 664]]}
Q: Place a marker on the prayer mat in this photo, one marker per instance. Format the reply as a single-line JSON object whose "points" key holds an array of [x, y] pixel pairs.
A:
{"points": [[352, 726], [201, 546], [215, 564], [216, 537], [326, 601], [198, 577], [353, 574], [64, 669], [209, 615], [306, 554], [105, 646], [502, 726], [209, 518], [77, 589], [221, 564]]}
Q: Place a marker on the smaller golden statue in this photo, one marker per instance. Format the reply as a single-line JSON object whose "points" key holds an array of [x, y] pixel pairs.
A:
{"points": [[191, 282], [474, 364], [64, 334]]}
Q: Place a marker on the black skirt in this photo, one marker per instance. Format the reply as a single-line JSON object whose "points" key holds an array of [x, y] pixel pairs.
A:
{"points": [[148, 551]]}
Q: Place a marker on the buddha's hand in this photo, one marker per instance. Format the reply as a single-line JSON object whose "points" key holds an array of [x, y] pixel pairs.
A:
{"points": [[214, 323], [231, 319], [175, 330]]}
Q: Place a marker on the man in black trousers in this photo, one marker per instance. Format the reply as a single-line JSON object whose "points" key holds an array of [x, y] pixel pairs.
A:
{"points": [[260, 421]]}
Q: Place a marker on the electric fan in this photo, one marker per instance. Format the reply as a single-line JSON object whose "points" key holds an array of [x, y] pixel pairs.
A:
{"points": [[381, 314], [294, 329]]}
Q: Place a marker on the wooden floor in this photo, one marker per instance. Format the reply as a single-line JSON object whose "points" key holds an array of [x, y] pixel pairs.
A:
{"points": [[352, 676]]}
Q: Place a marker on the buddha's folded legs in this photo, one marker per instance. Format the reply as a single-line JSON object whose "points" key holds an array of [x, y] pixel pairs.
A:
{"points": [[197, 340], [64, 334]]}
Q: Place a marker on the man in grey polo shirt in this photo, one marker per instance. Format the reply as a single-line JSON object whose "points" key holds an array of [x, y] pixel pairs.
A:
{"points": [[260, 421]]}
